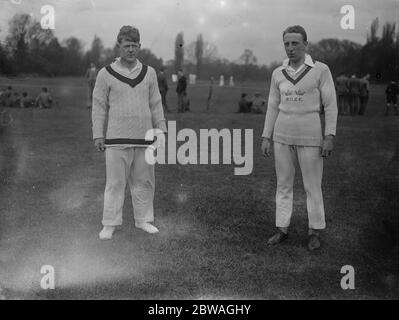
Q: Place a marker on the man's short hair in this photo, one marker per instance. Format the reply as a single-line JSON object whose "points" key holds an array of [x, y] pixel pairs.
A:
{"points": [[9, 88], [296, 29], [128, 33], [243, 95], [44, 89]]}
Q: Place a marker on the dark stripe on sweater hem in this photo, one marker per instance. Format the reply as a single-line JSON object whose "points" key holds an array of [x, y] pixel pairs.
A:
{"points": [[129, 141]]}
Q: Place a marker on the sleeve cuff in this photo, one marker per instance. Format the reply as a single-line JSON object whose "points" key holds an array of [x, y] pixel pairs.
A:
{"points": [[330, 132]]}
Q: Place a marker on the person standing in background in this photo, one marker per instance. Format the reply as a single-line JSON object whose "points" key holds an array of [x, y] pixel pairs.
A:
{"points": [[163, 88], [364, 93], [210, 93], [181, 91], [91, 75], [341, 84], [354, 92], [391, 93]]}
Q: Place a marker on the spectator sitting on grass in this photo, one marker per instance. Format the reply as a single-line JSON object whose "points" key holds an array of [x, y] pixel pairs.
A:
{"points": [[14, 100], [5, 97], [258, 103], [44, 99], [244, 105], [26, 101]]}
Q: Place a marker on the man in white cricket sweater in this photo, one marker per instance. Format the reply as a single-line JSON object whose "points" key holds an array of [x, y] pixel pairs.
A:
{"points": [[126, 95], [298, 89]]}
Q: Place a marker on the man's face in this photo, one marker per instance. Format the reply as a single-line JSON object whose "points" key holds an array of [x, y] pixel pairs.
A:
{"points": [[128, 50], [294, 46]]}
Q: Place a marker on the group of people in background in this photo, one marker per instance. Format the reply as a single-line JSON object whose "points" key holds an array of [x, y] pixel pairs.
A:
{"points": [[352, 94], [14, 99], [183, 103], [254, 105]]}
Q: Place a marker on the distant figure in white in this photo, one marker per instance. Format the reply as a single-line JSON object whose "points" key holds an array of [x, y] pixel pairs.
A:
{"points": [[192, 78], [231, 81], [221, 83], [91, 75], [210, 93]]}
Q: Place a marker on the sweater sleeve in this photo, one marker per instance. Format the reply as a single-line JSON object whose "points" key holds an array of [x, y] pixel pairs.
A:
{"points": [[100, 105], [329, 101], [158, 119], [272, 108]]}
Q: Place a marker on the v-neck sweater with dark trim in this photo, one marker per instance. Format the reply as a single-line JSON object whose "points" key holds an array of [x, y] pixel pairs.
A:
{"points": [[293, 112], [130, 110]]}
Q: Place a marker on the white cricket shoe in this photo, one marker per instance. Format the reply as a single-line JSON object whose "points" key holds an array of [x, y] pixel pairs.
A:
{"points": [[147, 227], [106, 232]]}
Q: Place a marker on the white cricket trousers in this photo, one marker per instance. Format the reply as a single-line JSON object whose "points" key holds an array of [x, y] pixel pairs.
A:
{"points": [[129, 165], [311, 164]]}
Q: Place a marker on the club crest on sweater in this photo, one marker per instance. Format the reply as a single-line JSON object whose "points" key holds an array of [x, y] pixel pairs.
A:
{"points": [[294, 95]]}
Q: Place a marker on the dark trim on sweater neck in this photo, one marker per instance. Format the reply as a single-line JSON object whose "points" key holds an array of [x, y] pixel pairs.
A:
{"points": [[299, 78], [131, 82]]}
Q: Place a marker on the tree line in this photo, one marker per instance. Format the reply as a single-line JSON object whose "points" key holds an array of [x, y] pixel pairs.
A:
{"points": [[28, 49]]}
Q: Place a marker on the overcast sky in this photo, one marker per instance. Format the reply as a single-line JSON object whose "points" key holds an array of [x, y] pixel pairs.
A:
{"points": [[232, 25]]}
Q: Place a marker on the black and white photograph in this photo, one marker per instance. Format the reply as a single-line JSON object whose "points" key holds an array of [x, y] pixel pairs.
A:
{"points": [[220, 152]]}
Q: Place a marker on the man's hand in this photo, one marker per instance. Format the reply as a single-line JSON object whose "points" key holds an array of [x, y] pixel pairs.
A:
{"points": [[160, 139], [99, 143], [266, 147], [328, 146], [160, 142]]}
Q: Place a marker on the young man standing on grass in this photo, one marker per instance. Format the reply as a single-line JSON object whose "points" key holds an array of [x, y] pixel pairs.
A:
{"points": [[298, 88], [126, 94], [181, 91]]}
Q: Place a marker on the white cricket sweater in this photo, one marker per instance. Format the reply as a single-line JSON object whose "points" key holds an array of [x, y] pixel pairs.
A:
{"points": [[130, 111], [293, 112]]}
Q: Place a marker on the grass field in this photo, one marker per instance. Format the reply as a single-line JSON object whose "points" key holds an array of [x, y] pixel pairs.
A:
{"points": [[213, 224]]}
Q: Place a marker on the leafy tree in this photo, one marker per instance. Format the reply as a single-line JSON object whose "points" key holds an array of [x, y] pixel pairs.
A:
{"points": [[339, 55], [147, 57], [248, 62], [5, 63], [199, 53], [96, 53], [73, 56]]}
